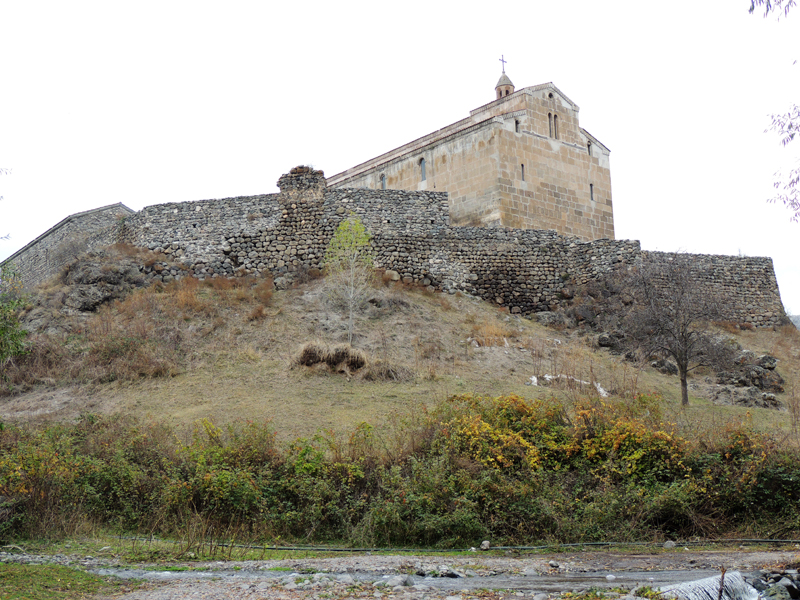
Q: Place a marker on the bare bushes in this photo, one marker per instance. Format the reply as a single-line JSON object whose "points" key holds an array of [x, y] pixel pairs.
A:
{"points": [[343, 358], [339, 358]]}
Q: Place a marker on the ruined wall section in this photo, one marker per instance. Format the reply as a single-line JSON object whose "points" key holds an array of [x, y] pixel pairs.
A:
{"points": [[746, 283], [44, 257], [524, 270], [280, 234], [197, 233], [284, 235]]}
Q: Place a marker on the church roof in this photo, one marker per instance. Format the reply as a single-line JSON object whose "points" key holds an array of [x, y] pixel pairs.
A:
{"points": [[504, 80]]}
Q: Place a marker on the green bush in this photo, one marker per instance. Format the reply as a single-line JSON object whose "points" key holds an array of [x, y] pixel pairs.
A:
{"points": [[506, 469], [12, 300]]}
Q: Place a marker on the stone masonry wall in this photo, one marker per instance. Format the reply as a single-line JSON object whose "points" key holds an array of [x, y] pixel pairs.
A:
{"points": [[747, 283], [524, 270], [46, 255]]}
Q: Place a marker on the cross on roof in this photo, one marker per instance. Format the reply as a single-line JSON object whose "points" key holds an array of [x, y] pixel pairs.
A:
{"points": [[502, 60]]}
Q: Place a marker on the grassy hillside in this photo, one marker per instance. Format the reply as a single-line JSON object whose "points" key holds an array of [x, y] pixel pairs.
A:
{"points": [[226, 350], [182, 409]]}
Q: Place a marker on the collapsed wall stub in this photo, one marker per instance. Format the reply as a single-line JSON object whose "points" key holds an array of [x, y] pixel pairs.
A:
{"points": [[524, 270]]}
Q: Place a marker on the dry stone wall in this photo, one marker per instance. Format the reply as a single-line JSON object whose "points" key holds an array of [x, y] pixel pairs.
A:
{"points": [[746, 283], [46, 255], [526, 271]]}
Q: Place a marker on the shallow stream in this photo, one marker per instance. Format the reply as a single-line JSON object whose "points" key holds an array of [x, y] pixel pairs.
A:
{"points": [[540, 583]]}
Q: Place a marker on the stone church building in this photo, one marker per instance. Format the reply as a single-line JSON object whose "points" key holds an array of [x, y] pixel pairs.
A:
{"points": [[521, 161]]}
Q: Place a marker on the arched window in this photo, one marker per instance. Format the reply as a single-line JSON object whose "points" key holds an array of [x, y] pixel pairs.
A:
{"points": [[589, 148], [516, 125], [523, 172], [422, 169], [550, 119], [591, 192], [555, 126], [506, 92], [383, 181]]}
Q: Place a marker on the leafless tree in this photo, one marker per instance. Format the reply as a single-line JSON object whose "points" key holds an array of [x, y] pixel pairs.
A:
{"points": [[349, 269], [788, 186], [669, 315], [786, 125], [772, 6]]}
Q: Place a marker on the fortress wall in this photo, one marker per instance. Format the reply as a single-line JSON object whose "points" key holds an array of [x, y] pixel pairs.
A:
{"points": [[278, 233], [196, 231], [44, 257], [748, 283], [283, 235], [524, 270]]}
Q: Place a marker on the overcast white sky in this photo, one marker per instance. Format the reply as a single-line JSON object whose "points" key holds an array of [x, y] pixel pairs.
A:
{"points": [[148, 102]]}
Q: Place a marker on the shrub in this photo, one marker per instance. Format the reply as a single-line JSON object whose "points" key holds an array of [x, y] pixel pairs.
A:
{"points": [[263, 291], [12, 300], [258, 313], [341, 356], [512, 470]]}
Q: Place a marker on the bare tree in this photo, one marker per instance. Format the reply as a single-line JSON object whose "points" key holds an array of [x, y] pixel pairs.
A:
{"points": [[349, 268], [771, 6], [786, 125], [670, 315]]}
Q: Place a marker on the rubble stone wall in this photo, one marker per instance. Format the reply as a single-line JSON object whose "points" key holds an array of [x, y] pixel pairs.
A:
{"points": [[525, 270], [747, 283], [44, 257]]}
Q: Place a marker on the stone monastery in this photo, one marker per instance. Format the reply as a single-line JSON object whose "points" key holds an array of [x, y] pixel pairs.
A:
{"points": [[512, 205], [520, 161]]}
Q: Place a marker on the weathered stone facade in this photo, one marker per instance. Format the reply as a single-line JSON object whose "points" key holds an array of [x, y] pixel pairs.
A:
{"points": [[521, 161], [524, 270], [44, 256]]}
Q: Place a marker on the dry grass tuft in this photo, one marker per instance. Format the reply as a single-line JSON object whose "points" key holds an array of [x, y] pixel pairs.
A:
{"points": [[220, 283], [263, 291], [383, 371], [492, 334], [444, 302], [312, 353], [258, 313], [344, 355], [385, 278], [733, 327]]}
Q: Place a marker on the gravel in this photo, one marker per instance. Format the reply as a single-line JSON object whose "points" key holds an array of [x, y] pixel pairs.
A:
{"points": [[404, 577]]}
